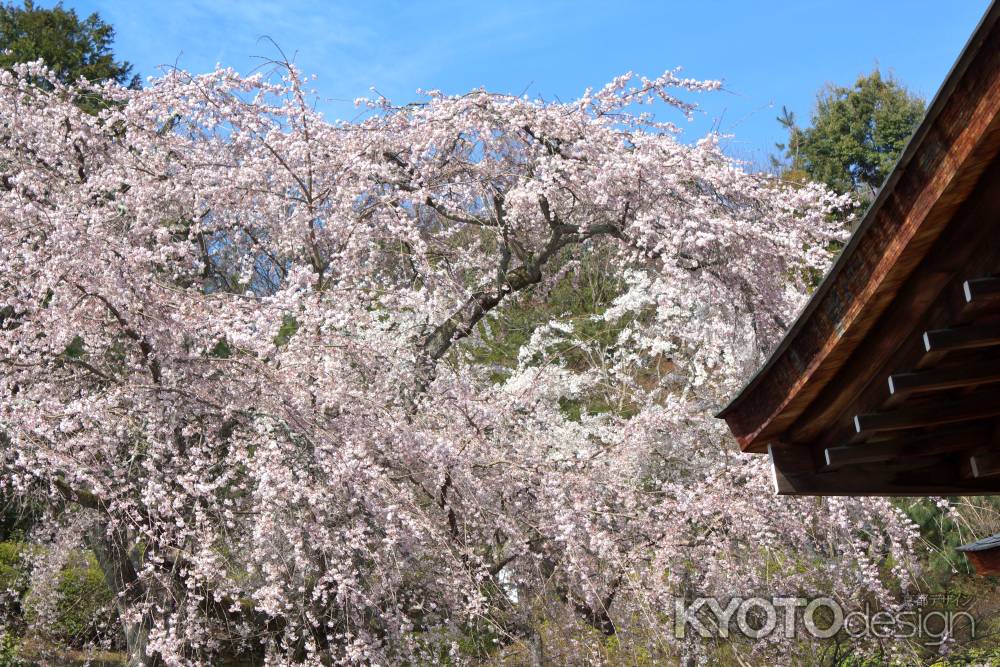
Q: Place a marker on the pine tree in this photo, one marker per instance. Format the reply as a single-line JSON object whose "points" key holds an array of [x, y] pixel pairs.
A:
{"points": [[857, 134], [71, 46]]}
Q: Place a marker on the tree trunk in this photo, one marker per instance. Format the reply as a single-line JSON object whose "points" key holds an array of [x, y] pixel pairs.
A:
{"points": [[112, 553], [537, 650]]}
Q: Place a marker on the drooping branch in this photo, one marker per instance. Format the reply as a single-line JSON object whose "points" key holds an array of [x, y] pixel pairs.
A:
{"points": [[464, 320], [145, 347]]}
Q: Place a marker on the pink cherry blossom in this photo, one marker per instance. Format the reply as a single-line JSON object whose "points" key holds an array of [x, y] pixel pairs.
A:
{"points": [[238, 360]]}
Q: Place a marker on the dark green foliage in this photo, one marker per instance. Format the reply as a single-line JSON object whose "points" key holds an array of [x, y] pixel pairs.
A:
{"points": [[222, 350], [979, 516], [947, 575], [75, 349], [289, 325], [84, 610], [71, 46], [857, 134], [586, 289], [12, 575], [13, 587], [16, 519], [13, 578], [942, 536], [9, 650], [84, 607]]}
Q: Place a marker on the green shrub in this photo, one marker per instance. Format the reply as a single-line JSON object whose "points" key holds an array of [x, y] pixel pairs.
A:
{"points": [[84, 608], [12, 574], [13, 587], [9, 651]]}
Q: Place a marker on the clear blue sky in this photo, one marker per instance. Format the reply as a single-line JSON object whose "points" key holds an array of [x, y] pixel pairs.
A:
{"points": [[768, 54]]}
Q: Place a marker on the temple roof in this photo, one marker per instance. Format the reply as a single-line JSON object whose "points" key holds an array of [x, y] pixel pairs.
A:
{"points": [[889, 381]]}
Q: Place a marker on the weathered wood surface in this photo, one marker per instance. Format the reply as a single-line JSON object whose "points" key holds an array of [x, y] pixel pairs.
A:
{"points": [[939, 171], [932, 444]]}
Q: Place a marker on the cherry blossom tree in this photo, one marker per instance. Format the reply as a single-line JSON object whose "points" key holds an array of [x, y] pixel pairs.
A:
{"points": [[240, 360]]}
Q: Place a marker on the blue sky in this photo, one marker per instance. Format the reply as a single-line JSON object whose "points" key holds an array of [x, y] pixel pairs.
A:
{"points": [[768, 54]]}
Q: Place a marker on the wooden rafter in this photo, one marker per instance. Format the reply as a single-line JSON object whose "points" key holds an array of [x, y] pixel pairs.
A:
{"points": [[931, 444], [922, 260]]}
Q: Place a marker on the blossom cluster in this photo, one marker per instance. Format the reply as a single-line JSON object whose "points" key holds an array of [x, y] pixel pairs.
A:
{"points": [[240, 358]]}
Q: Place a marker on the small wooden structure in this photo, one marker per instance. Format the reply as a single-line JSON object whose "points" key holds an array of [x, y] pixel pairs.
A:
{"points": [[889, 382], [984, 555]]}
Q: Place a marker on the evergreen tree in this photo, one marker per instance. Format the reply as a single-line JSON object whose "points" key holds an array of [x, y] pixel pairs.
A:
{"points": [[71, 46], [857, 134]]}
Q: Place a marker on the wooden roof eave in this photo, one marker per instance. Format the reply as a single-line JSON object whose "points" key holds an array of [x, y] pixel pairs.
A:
{"points": [[956, 141]]}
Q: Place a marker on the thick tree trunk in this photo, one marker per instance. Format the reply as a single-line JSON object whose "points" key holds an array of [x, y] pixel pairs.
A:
{"points": [[537, 650], [112, 553]]}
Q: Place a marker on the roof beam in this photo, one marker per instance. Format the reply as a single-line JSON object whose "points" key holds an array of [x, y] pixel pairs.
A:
{"points": [[976, 297], [918, 446], [979, 407], [794, 475], [985, 465], [982, 290], [964, 375], [961, 338]]}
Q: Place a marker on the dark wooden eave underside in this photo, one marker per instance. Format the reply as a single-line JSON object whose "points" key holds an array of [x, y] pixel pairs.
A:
{"points": [[948, 154], [889, 382], [930, 427], [916, 408]]}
